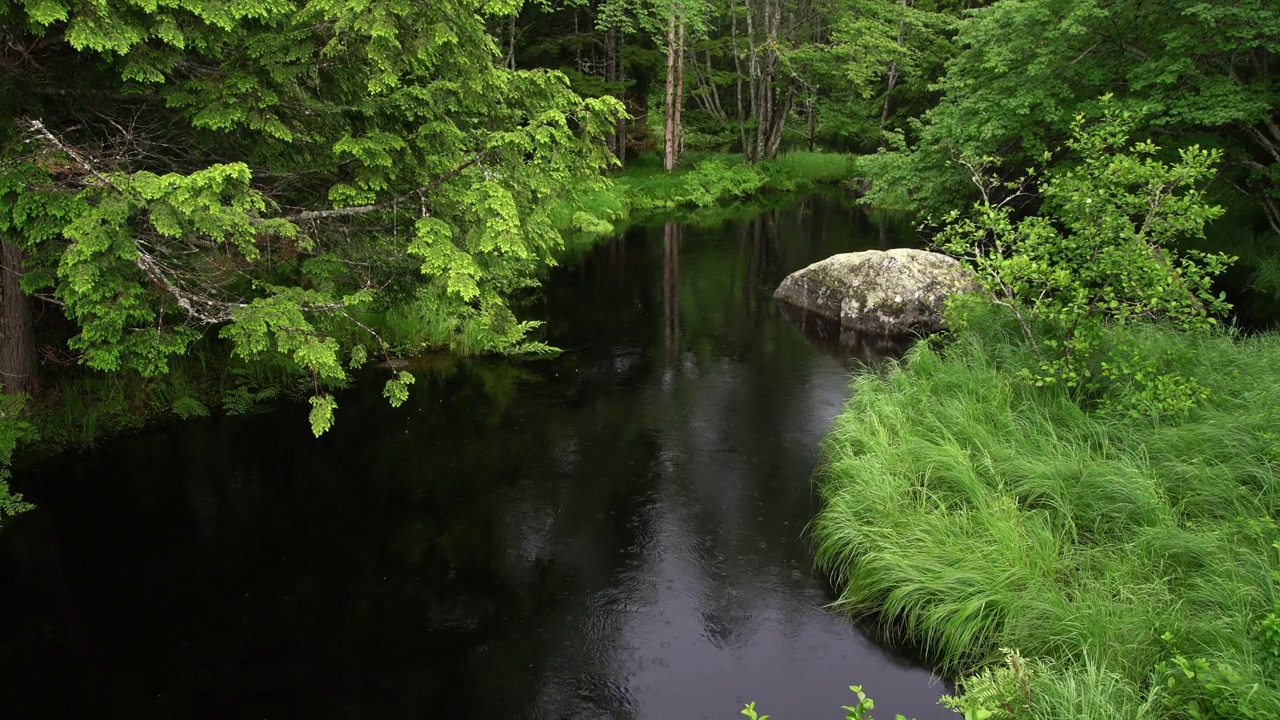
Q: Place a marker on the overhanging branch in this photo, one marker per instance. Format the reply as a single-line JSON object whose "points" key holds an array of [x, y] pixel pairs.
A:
{"points": [[365, 209]]}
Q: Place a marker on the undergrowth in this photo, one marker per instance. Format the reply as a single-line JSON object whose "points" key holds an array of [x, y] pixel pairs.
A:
{"points": [[1134, 563], [714, 179], [83, 407], [644, 191]]}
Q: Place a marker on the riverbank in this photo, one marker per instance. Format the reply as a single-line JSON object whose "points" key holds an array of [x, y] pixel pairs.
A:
{"points": [[644, 192], [1134, 565]]}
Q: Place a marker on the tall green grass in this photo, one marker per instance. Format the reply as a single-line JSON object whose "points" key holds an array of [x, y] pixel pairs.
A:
{"points": [[974, 512]]}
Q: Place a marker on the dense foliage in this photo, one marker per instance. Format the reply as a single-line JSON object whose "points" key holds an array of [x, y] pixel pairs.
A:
{"points": [[298, 186], [269, 170], [1101, 255], [12, 430], [1108, 528], [1192, 71], [757, 77]]}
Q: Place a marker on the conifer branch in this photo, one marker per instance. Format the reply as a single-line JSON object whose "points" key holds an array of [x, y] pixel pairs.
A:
{"points": [[365, 209]]}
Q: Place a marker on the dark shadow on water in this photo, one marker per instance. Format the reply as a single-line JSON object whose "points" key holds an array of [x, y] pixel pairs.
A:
{"points": [[855, 349]]}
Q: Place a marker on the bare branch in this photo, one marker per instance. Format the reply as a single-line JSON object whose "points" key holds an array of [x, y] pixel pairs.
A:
{"points": [[39, 129]]}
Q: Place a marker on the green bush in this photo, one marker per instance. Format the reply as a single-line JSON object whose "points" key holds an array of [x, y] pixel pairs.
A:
{"points": [[1101, 254]]}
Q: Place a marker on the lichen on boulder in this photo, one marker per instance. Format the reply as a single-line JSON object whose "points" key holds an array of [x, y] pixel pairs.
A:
{"points": [[887, 292]]}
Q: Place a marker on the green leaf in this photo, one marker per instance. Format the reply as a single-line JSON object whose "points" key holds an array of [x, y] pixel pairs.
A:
{"points": [[321, 415]]}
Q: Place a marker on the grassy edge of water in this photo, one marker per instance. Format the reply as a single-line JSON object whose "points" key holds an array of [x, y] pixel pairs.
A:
{"points": [[707, 185], [1135, 565]]}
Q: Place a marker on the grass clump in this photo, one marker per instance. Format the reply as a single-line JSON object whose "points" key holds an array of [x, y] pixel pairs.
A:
{"points": [[1134, 562]]}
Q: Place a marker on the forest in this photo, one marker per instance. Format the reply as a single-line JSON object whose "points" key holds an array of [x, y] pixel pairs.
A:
{"points": [[208, 205]]}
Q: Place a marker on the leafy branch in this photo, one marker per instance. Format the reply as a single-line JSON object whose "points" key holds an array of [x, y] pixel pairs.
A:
{"points": [[1102, 254]]}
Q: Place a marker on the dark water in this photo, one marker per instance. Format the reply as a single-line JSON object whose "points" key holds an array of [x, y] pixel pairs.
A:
{"points": [[614, 533]]}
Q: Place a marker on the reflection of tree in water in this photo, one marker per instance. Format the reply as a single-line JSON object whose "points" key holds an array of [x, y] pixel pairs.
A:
{"points": [[671, 290], [732, 490], [764, 239]]}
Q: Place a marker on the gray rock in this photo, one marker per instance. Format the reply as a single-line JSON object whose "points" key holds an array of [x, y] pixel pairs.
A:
{"points": [[888, 292]]}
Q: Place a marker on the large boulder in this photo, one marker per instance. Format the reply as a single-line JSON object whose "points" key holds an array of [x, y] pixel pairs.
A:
{"points": [[887, 292]]}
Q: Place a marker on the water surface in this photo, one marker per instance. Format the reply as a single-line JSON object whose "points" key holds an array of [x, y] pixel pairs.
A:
{"points": [[617, 532]]}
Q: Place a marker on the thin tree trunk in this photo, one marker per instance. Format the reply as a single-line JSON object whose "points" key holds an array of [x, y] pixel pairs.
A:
{"points": [[891, 83], [737, 85], [778, 123], [767, 109], [615, 81], [679, 131], [511, 42], [715, 93], [669, 100], [609, 79], [17, 339], [894, 74], [811, 121], [674, 90], [621, 75], [751, 150], [578, 52]]}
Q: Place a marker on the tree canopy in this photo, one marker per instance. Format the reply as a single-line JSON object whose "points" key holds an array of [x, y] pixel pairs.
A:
{"points": [[1193, 72]]}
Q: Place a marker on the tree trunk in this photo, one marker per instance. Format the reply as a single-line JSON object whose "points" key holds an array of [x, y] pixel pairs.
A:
{"points": [[17, 340], [811, 123], [678, 132], [779, 103], [615, 79], [715, 92], [674, 91], [610, 51], [891, 82], [769, 107], [737, 84], [511, 43], [893, 74]]}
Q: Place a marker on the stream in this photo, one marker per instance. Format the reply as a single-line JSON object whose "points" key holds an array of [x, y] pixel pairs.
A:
{"points": [[614, 532]]}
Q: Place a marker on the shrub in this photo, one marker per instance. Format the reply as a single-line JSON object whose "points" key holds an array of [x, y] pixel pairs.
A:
{"points": [[1100, 255]]}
